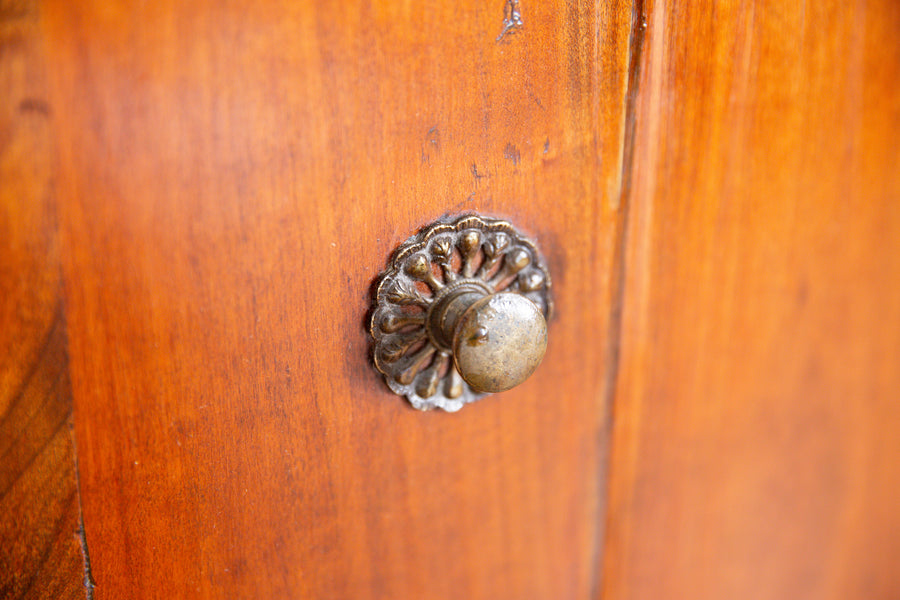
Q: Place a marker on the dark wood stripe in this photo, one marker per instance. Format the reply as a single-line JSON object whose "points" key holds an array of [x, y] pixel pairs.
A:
{"points": [[40, 553]]}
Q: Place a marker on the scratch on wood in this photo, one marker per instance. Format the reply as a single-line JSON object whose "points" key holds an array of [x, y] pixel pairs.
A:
{"points": [[512, 18], [476, 175], [511, 153], [88, 579], [531, 94], [432, 138], [80, 534]]}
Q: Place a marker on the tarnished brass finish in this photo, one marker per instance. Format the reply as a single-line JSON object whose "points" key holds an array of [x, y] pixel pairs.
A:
{"points": [[500, 340], [461, 311]]}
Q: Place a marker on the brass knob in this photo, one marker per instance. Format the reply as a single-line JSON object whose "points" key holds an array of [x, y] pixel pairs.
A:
{"points": [[498, 340], [461, 311]]}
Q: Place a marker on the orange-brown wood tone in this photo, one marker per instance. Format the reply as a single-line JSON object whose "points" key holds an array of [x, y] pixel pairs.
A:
{"points": [[755, 448], [40, 554], [232, 177], [195, 198]]}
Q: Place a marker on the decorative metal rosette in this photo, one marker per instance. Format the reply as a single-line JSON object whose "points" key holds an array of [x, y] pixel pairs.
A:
{"points": [[486, 255]]}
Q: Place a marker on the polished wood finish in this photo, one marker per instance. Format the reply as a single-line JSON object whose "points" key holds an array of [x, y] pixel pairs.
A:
{"points": [[40, 553], [755, 449], [716, 190], [232, 178]]}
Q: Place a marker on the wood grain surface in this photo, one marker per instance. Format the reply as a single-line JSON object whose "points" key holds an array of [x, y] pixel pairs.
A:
{"points": [[715, 185], [755, 448], [232, 178], [40, 554]]}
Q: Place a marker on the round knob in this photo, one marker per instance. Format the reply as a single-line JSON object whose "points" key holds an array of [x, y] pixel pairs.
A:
{"points": [[499, 341], [461, 312]]}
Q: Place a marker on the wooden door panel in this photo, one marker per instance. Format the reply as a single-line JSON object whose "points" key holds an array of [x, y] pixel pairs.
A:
{"points": [[232, 178], [755, 452], [716, 188]]}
